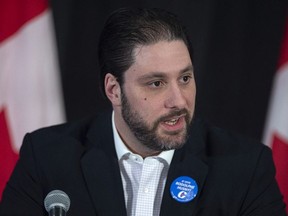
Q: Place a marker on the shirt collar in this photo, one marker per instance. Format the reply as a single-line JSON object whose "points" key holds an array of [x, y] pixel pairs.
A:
{"points": [[122, 150]]}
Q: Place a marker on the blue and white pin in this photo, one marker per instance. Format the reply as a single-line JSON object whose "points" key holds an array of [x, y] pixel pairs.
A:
{"points": [[184, 189]]}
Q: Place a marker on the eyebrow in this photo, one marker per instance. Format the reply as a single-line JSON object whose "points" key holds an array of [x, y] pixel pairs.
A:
{"points": [[188, 68], [157, 74]]}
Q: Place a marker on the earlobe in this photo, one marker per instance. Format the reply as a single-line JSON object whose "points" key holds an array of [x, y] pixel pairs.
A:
{"points": [[112, 89]]}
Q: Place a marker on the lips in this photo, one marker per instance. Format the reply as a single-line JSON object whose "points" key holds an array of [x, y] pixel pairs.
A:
{"points": [[175, 123], [172, 122]]}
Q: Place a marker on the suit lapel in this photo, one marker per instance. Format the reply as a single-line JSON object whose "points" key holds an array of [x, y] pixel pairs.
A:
{"points": [[195, 169], [101, 171], [188, 161]]}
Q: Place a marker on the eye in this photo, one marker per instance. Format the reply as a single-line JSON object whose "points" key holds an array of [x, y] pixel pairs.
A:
{"points": [[185, 79], [156, 84]]}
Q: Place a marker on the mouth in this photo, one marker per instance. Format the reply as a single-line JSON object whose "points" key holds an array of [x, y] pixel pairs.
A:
{"points": [[172, 121], [175, 122]]}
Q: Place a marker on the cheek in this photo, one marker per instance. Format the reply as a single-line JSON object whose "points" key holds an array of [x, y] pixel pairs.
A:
{"points": [[191, 98], [191, 95], [191, 101], [149, 108]]}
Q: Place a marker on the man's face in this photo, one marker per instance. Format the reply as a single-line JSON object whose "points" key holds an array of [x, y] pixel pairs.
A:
{"points": [[158, 95]]}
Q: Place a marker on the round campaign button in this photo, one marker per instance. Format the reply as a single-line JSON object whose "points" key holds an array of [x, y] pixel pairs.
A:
{"points": [[184, 189]]}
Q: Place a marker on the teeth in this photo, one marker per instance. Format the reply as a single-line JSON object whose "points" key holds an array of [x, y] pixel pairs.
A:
{"points": [[171, 122]]}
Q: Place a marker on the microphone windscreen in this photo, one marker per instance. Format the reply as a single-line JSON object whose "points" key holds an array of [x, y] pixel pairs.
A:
{"points": [[57, 198]]}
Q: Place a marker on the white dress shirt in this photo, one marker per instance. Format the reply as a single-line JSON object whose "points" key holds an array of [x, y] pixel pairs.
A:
{"points": [[143, 179]]}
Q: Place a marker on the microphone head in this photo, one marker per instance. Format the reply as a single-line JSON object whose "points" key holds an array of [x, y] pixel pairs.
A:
{"points": [[57, 198]]}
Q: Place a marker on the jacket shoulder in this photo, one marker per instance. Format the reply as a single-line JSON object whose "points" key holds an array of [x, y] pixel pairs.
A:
{"points": [[219, 141], [74, 129], [69, 132]]}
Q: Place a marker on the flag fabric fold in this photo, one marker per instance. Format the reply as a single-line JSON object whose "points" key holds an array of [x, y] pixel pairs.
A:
{"points": [[276, 128], [30, 87]]}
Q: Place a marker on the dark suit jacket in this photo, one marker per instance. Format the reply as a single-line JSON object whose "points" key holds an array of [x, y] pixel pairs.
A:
{"points": [[235, 176]]}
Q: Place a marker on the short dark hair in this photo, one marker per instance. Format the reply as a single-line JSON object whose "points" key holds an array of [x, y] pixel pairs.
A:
{"points": [[127, 28]]}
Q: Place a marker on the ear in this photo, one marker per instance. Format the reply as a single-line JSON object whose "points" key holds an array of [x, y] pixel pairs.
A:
{"points": [[112, 89]]}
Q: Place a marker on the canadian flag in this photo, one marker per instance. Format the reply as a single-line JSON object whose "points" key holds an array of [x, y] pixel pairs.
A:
{"points": [[30, 88], [276, 131]]}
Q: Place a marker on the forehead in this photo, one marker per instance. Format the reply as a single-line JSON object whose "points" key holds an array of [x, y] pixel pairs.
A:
{"points": [[168, 57]]}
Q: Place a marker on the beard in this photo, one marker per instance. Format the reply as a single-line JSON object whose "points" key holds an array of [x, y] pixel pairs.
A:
{"points": [[148, 136]]}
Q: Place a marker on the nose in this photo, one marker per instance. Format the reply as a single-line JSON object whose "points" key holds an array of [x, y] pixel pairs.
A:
{"points": [[175, 98]]}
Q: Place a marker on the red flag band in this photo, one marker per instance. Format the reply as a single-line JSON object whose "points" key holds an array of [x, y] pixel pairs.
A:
{"points": [[276, 131], [30, 92]]}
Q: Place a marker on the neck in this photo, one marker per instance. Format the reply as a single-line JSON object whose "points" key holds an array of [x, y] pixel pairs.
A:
{"points": [[130, 141]]}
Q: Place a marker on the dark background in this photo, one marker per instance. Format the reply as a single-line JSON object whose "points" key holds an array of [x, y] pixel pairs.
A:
{"points": [[236, 48]]}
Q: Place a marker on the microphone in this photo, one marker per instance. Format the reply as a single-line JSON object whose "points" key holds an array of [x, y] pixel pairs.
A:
{"points": [[57, 203]]}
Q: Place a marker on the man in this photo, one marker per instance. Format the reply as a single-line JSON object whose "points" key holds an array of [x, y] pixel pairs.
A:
{"points": [[149, 156]]}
